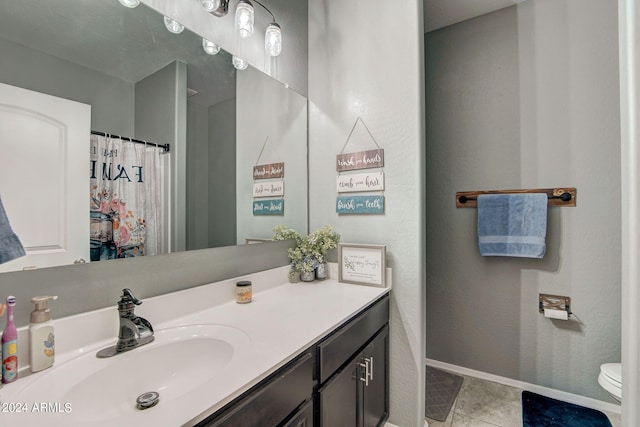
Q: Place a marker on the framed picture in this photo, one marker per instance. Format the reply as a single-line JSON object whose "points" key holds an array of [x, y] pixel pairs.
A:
{"points": [[362, 264]]}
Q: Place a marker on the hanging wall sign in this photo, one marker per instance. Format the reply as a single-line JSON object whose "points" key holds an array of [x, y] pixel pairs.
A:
{"points": [[360, 160], [272, 170], [268, 188], [360, 204], [268, 207], [373, 181]]}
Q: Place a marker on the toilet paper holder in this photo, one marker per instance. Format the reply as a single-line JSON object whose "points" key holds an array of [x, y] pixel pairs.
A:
{"points": [[554, 302]]}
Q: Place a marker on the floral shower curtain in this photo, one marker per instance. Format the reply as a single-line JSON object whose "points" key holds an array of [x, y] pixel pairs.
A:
{"points": [[127, 199]]}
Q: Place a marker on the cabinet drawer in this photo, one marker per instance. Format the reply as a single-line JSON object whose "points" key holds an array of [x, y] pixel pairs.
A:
{"points": [[271, 403], [346, 341]]}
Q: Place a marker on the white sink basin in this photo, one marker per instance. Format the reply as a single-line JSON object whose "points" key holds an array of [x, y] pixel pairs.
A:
{"points": [[177, 362]]}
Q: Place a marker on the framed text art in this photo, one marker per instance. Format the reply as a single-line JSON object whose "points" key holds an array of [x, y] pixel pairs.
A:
{"points": [[362, 264]]}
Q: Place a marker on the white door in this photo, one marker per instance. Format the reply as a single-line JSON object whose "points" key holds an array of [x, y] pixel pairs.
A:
{"points": [[44, 181]]}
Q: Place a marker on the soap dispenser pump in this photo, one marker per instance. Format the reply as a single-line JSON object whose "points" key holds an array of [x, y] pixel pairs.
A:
{"points": [[41, 335]]}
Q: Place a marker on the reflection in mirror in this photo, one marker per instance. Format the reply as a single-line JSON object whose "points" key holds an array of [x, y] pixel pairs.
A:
{"points": [[141, 81]]}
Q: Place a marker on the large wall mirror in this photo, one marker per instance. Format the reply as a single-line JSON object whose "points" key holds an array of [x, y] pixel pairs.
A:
{"points": [[143, 82]]}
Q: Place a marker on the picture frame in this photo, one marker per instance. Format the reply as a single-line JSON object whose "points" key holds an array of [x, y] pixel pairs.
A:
{"points": [[362, 264]]}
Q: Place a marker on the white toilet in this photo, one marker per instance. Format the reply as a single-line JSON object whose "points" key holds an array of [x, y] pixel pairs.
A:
{"points": [[610, 379]]}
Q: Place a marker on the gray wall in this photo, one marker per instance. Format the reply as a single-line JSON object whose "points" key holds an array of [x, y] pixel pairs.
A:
{"points": [[111, 99], [526, 97], [222, 218], [161, 116], [211, 161], [355, 69], [197, 198]]}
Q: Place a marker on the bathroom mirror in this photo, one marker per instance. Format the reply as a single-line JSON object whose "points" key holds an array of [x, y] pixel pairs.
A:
{"points": [[52, 48]]}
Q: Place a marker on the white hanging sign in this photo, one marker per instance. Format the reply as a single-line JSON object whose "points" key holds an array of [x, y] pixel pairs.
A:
{"points": [[372, 181], [268, 188]]}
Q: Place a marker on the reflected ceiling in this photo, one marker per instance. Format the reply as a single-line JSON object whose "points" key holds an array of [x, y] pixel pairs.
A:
{"points": [[103, 27]]}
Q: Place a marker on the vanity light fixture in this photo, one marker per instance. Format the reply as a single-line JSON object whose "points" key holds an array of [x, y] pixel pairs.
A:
{"points": [[129, 3], [239, 63], [173, 26], [210, 47], [273, 34], [244, 18], [273, 39], [244, 22], [221, 10], [210, 5]]}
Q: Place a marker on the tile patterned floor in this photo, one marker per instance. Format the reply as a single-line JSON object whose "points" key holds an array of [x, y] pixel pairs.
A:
{"points": [[483, 403]]}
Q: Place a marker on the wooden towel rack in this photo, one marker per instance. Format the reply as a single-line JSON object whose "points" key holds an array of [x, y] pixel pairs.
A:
{"points": [[565, 196]]}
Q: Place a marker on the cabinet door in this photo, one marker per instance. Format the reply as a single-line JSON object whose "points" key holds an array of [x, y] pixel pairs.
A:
{"points": [[375, 380], [338, 398]]}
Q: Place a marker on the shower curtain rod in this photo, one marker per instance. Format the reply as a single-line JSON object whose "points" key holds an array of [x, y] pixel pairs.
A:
{"points": [[165, 147]]}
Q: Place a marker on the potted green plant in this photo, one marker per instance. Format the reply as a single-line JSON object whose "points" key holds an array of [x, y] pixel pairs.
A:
{"points": [[308, 257], [320, 242], [298, 266]]}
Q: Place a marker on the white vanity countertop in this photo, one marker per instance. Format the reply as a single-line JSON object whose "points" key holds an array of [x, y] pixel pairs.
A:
{"points": [[283, 320]]}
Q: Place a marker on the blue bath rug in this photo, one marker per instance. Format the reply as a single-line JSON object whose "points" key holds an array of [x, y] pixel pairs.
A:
{"points": [[541, 411]]}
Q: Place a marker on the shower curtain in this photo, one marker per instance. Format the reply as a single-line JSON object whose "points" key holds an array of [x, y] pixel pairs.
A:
{"points": [[127, 198]]}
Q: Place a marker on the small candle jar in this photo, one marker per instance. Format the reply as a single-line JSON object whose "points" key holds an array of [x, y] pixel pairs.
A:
{"points": [[243, 292]]}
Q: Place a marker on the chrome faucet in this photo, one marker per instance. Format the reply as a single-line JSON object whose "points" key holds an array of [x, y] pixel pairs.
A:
{"points": [[134, 331]]}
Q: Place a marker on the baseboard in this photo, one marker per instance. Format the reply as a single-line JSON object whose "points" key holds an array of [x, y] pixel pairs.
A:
{"points": [[545, 391], [388, 424]]}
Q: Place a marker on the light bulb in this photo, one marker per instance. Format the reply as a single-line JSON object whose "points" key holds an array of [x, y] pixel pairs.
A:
{"points": [[130, 3], [173, 26], [210, 5], [273, 39], [210, 47], [244, 18], [239, 63]]}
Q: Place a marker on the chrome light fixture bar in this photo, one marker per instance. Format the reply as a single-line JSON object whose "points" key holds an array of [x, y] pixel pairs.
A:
{"points": [[244, 21]]}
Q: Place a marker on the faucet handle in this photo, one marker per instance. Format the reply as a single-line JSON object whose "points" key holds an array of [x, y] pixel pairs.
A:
{"points": [[127, 299]]}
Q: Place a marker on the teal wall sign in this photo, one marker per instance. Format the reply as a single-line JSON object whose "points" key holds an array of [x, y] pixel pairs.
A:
{"points": [[268, 207], [360, 205]]}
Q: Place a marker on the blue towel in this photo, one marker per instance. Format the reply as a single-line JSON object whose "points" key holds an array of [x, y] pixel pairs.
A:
{"points": [[10, 246], [512, 225]]}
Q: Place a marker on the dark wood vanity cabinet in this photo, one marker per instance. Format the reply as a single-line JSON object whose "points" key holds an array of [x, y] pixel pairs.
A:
{"points": [[277, 401], [356, 393], [341, 381]]}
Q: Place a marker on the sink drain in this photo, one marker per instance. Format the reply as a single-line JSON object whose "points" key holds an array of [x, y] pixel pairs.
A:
{"points": [[148, 400]]}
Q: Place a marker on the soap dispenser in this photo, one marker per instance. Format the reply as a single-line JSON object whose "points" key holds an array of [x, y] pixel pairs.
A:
{"points": [[41, 336]]}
